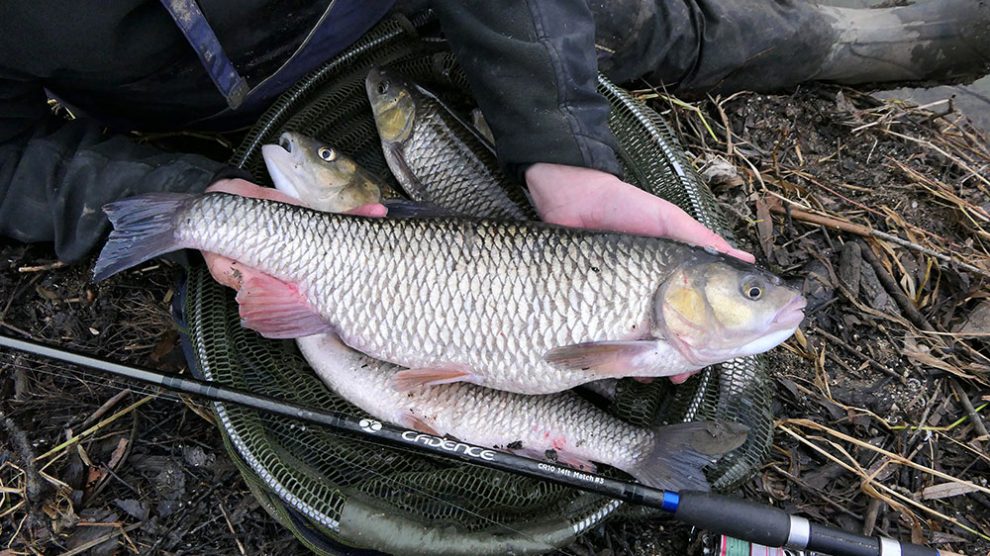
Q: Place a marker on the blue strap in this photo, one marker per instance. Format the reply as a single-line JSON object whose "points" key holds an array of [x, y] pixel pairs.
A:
{"points": [[198, 32]]}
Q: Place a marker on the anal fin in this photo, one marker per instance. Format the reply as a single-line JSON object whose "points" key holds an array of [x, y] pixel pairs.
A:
{"points": [[414, 422], [410, 379]]}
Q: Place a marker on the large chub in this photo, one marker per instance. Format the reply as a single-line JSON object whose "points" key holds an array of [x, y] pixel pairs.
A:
{"points": [[143, 228]]}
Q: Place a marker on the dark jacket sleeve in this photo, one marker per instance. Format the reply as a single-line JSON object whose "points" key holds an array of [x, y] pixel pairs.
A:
{"points": [[55, 175], [532, 68]]}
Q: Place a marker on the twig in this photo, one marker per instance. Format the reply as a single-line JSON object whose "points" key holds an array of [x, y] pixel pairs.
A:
{"points": [[20, 331], [230, 526], [955, 159], [41, 268], [852, 298], [892, 456], [684, 105], [869, 483], [862, 356], [896, 292], [835, 505], [95, 428], [105, 407], [100, 540], [860, 230], [964, 400], [870, 520]]}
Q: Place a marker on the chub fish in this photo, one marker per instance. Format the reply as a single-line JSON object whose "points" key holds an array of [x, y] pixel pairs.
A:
{"points": [[518, 306], [568, 427]]}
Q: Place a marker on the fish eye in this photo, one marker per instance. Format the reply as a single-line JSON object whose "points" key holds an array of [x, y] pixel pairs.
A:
{"points": [[327, 154], [753, 289], [383, 87]]}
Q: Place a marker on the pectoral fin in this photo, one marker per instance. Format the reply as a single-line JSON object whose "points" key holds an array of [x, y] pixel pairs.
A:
{"points": [[277, 309], [629, 358], [410, 379]]}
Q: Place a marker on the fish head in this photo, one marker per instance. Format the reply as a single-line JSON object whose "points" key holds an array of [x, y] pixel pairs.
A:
{"points": [[318, 174], [392, 103], [716, 308]]}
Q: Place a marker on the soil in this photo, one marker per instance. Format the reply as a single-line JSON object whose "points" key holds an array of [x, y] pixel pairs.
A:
{"points": [[157, 480]]}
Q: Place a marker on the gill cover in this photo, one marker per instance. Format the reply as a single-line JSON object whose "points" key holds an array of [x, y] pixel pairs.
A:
{"points": [[718, 309]]}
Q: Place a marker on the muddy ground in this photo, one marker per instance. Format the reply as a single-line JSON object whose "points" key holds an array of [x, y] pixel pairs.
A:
{"points": [[912, 463]]}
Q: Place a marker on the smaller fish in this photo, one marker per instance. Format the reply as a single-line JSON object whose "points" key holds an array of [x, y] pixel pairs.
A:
{"points": [[330, 180], [436, 156], [481, 124], [570, 428]]}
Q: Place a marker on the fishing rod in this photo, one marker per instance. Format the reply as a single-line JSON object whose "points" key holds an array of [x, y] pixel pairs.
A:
{"points": [[742, 519]]}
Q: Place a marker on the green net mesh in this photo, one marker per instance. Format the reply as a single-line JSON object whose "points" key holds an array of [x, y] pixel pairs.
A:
{"points": [[323, 485]]}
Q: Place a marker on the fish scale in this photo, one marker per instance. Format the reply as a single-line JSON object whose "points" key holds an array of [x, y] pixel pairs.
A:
{"points": [[376, 305], [441, 151]]}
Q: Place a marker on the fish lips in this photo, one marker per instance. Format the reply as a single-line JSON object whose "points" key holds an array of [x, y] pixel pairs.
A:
{"points": [[281, 167], [791, 314]]}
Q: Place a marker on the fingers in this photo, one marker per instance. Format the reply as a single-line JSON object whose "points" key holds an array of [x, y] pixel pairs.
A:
{"points": [[225, 271], [679, 225], [371, 210], [248, 189]]}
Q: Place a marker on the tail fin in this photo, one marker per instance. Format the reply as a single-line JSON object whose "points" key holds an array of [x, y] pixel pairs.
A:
{"points": [[681, 451], [144, 227]]}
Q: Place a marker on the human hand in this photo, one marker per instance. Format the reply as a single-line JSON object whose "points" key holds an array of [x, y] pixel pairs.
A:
{"points": [[588, 198], [228, 271]]}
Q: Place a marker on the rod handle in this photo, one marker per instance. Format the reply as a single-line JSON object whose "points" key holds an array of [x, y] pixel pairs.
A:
{"points": [[774, 527], [734, 517]]}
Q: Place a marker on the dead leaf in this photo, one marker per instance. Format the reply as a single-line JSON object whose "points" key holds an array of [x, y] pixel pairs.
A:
{"points": [[946, 490], [977, 323]]}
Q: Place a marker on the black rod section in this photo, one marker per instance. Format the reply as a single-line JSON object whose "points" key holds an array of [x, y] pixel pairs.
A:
{"points": [[720, 514]]}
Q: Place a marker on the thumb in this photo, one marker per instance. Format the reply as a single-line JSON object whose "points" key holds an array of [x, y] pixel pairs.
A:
{"points": [[681, 226], [371, 210]]}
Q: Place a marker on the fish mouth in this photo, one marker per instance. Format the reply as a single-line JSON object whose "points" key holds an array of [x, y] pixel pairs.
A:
{"points": [[280, 164], [374, 79], [791, 314], [286, 142]]}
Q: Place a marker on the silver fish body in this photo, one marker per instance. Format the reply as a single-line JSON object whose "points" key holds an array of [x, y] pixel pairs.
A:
{"points": [[480, 301], [437, 157], [562, 426]]}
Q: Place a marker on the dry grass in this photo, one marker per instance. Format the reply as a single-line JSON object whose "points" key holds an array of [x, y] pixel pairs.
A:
{"points": [[884, 390]]}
